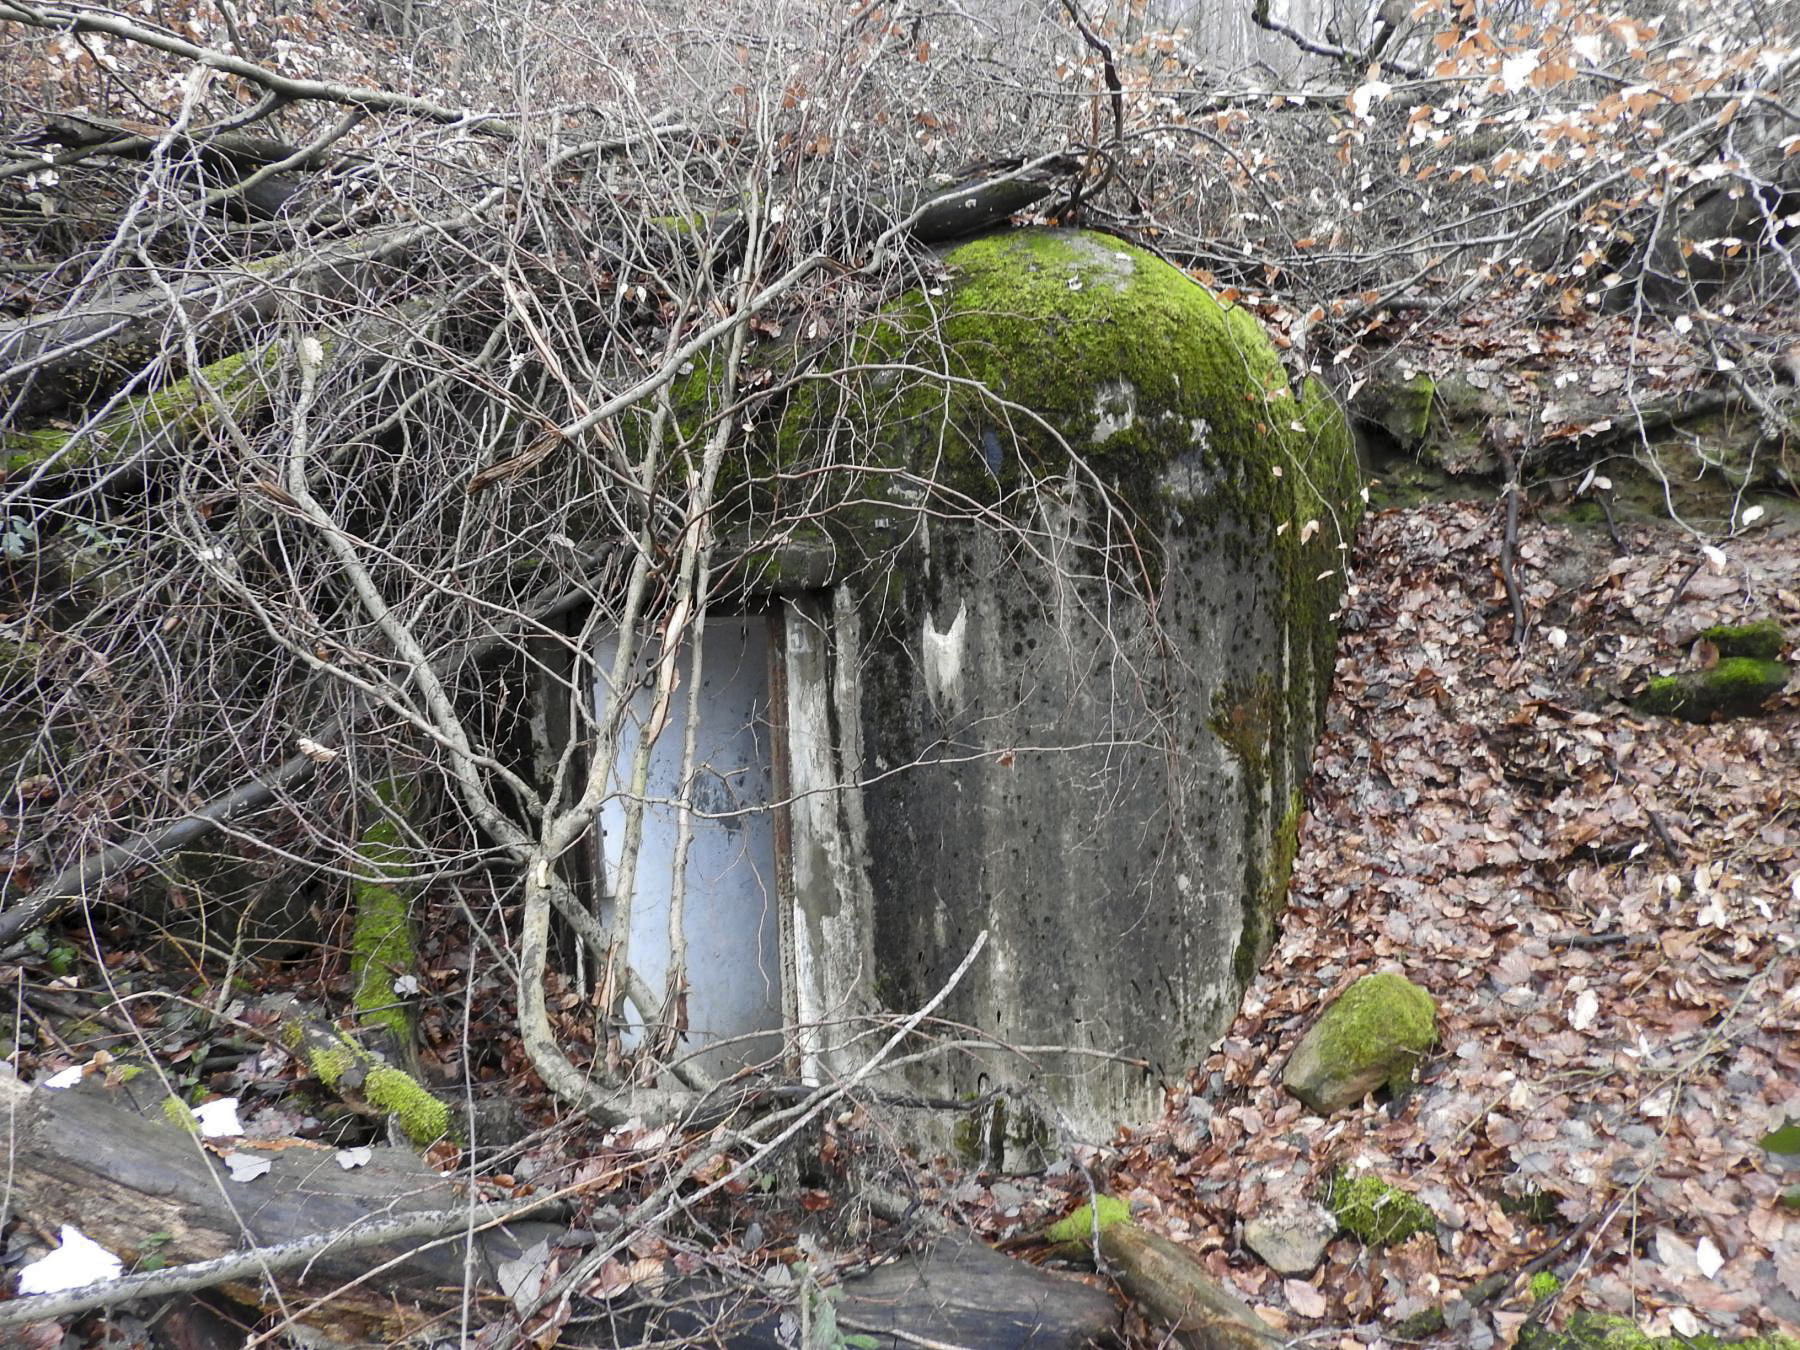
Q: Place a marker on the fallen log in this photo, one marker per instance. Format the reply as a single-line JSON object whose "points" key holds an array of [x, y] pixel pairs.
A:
{"points": [[70, 359], [951, 1291], [1165, 1279], [108, 1158]]}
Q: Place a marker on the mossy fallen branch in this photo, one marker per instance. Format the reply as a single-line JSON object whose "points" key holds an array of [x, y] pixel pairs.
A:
{"points": [[1737, 687], [362, 1080], [382, 949], [169, 419], [1164, 1278]]}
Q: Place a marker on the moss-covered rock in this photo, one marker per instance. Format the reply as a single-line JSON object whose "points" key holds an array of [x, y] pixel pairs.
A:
{"points": [[1589, 1331], [1442, 422], [1737, 687], [1376, 1213], [1400, 406], [1761, 640], [1373, 1036]]}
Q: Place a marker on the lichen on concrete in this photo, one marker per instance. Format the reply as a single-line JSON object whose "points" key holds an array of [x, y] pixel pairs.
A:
{"points": [[1378, 1214], [1048, 341], [1109, 471]]}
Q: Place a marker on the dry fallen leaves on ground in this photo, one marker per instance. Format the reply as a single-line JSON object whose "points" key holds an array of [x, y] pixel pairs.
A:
{"points": [[1617, 1009]]}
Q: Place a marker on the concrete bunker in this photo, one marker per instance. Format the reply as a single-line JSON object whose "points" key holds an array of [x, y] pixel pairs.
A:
{"points": [[1049, 664]]}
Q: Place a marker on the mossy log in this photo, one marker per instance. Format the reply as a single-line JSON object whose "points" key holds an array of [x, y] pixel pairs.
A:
{"points": [[382, 947], [948, 1291], [363, 1080], [70, 360], [1737, 686], [166, 420], [105, 1157], [1166, 1280]]}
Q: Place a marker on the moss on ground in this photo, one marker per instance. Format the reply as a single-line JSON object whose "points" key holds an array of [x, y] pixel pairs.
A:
{"points": [[1378, 1214], [1761, 640], [1737, 687]]}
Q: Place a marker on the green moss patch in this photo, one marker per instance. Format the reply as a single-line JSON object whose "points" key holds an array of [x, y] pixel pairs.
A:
{"points": [[1402, 408], [1051, 343], [422, 1117], [1375, 1212], [1761, 640], [1079, 1226], [381, 938], [1737, 687], [173, 417], [351, 1072]]}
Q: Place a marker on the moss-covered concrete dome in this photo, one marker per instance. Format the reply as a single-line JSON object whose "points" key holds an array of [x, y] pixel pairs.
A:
{"points": [[1081, 662], [1043, 341]]}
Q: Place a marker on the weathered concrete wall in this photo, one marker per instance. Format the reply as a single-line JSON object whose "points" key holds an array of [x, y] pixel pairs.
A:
{"points": [[1099, 553]]}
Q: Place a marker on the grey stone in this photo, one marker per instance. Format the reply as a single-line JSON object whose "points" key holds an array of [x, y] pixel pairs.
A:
{"points": [[1291, 1240]]}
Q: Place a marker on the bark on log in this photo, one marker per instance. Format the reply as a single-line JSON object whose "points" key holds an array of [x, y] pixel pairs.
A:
{"points": [[107, 1160], [238, 151], [62, 360], [953, 1292], [1166, 1280]]}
